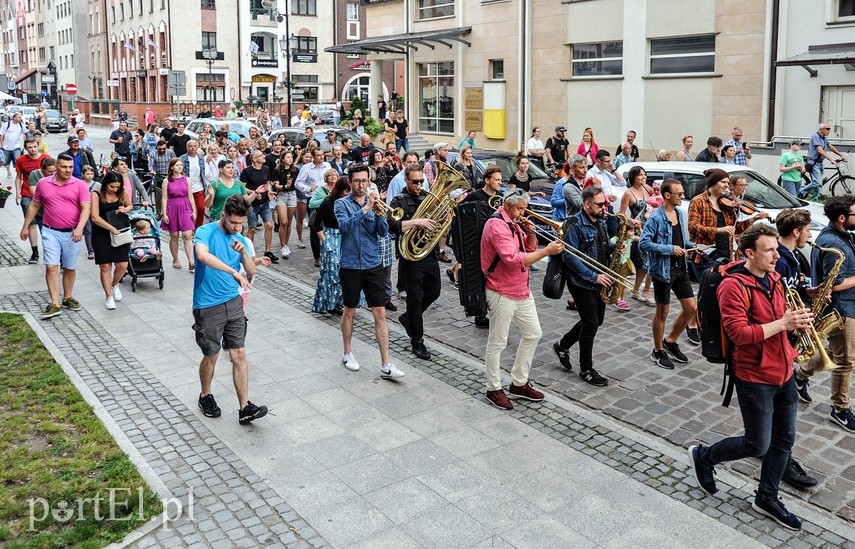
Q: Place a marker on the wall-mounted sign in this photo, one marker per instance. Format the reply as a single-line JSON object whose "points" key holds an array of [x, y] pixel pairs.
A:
{"points": [[473, 98], [265, 63], [48, 79], [263, 78], [305, 58]]}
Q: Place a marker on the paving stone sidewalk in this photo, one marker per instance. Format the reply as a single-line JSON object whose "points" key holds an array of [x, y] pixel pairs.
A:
{"points": [[680, 407]]}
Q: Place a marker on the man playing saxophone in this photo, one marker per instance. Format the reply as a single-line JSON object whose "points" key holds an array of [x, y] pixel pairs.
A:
{"points": [[840, 211], [665, 240], [421, 277], [793, 233], [586, 232]]}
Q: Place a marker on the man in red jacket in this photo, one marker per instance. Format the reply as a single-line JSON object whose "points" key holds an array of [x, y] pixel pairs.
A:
{"points": [[756, 319]]}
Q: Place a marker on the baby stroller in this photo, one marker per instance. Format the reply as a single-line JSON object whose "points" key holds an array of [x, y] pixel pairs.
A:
{"points": [[152, 267]]}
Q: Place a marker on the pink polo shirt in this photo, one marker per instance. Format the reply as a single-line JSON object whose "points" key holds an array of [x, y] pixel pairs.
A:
{"points": [[62, 202], [511, 276]]}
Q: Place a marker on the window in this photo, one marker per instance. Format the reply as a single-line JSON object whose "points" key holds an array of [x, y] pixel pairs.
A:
{"points": [[432, 9], [497, 69], [307, 44], [209, 40], [600, 59], [304, 7], [130, 9], [352, 55], [41, 30], [686, 54], [208, 4], [352, 12], [210, 87], [260, 13], [357, 87], [436, 97], [845, 10]]}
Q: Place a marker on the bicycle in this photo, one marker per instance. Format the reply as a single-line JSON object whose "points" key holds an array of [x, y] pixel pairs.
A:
{"points": [[841, 182]]}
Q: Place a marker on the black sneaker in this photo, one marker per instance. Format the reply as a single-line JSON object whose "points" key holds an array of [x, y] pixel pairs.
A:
{"points": [[563, 356], [802, 388], [661, 358], [251, 412], [594, 378], [845, 418], [271, 257], [774, 509], [794, 475], [482, 322], [693, 335], [705, 474], [420, 350], [391, 306], [209, 406], [674, 350], [34, 259]]}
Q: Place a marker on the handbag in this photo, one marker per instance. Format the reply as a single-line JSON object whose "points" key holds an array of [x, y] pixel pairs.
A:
{"points": [[124, 237], [554, 279]]}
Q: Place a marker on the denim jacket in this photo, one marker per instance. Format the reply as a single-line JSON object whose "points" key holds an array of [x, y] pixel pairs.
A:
{"points": [[360, 247], [185, 159], [581, 234], [656, 243], [831, 237]]}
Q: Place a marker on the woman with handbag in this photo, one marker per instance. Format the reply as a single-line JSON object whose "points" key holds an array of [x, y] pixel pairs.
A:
{"points": [[110, 244]]}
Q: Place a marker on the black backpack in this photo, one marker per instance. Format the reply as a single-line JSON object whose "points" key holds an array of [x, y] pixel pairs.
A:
{"points": [[716, 347]]}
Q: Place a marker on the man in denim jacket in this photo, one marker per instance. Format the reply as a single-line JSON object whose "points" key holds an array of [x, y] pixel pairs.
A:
{"points": [[586, 232], [665, 239], [361, 267]]}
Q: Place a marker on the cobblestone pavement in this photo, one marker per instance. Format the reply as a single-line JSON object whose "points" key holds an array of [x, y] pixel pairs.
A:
{"points": [[680, 406], [231, 506]]}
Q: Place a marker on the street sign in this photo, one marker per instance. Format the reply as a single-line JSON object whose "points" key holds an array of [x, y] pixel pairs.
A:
{"points": [[44, 93], [71, 89], [10, 85], [177, 82], [298, 95]]}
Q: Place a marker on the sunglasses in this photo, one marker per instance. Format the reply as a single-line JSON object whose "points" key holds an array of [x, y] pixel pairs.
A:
{"points": [[417, 181], [599, 204]]}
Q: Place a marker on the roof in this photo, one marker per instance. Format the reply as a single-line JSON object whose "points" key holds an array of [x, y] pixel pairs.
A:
{"points": [[401, 43], [824, 54]]}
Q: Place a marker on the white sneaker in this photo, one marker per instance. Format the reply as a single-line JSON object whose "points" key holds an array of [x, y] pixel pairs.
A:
{"points": [[389, 371], [110, 303], [349, 362], [285, 252], [306, 223], [300, 244], [117, 293]]}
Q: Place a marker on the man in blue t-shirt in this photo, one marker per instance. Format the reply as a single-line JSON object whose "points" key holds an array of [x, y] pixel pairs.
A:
{"points": [[218, 311], [817, 154]]}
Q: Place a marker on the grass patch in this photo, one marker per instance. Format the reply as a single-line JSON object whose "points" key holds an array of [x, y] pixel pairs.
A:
{"points": [[52, 446]]}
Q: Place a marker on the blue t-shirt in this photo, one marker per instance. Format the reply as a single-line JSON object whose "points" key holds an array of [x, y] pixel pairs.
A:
{"points": [[212, 287], [816, 140]]}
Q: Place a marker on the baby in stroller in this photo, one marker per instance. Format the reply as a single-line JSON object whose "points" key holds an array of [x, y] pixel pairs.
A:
{"points": [[144, 246]]}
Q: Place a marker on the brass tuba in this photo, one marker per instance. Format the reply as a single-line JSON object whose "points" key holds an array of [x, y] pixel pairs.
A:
{"points": [[417, 242]]}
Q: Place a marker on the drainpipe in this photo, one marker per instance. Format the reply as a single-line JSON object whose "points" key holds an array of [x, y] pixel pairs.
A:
{"points": [[410, 88], [524, 72], [169, 18], [773, 68]]}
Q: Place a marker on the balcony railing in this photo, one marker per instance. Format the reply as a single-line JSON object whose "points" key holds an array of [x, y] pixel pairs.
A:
{"points": [[265, 17]]}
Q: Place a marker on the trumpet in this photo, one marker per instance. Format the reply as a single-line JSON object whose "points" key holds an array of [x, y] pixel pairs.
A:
{"points": [[381, 208], [496, 201]]}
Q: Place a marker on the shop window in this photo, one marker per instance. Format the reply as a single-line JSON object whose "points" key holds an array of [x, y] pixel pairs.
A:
{"points": [[436, 97]]}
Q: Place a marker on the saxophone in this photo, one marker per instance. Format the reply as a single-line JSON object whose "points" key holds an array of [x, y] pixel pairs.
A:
{"points": [[610, 294], [823, 326]]}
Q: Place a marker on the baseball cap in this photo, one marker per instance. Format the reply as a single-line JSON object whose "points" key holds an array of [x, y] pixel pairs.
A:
{"points": [[796, 142], [71, 139], [440, 145], [560, 129]]}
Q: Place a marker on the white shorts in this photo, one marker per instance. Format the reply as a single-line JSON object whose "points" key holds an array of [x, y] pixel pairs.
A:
{"points": [[288, 198]]}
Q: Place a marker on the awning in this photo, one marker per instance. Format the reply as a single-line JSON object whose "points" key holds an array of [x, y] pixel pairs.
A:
{"points": [[401, 43], [24, 75], [824, 54]]}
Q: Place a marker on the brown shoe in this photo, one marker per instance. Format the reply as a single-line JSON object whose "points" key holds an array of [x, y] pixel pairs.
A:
{"points": [[526, 392], [499, 400]]}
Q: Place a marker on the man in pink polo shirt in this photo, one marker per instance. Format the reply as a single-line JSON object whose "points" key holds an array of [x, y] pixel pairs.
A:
{"points": [[66, 208], [508, 250]]}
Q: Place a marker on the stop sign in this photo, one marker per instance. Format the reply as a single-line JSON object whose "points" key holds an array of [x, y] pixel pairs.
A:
{"points": [[71, 89]]}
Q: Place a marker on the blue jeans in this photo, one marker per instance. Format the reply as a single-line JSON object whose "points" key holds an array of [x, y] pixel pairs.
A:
{"points": [[815, 181], [791, 187], [769, 417], [402, 145]]}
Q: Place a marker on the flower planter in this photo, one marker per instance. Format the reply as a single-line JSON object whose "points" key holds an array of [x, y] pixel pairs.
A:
{"points": [[2, 202]]}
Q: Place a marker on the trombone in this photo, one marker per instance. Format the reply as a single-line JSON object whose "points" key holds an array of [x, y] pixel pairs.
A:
{"points": [[381, 208], [495, 202]]}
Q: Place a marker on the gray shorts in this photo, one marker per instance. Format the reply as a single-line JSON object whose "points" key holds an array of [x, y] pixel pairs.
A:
{"points": [[221, 325]]}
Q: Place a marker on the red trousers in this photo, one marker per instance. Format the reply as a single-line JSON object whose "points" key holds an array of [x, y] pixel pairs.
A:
{"points": [[199, 199]]}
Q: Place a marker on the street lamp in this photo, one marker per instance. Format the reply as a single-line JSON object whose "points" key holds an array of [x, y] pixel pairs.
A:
{"points": [[51, 67], [209, 54], [286, 43]]}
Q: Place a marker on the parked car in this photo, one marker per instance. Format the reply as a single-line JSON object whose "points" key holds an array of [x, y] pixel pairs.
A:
{"points": [[294, 135], [28, 113], [540, 180], [762, 192], [56, 122], [240, 126]]}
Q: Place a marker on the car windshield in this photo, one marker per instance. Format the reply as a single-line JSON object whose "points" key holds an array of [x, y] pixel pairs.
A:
{"points": [[509, 167]]}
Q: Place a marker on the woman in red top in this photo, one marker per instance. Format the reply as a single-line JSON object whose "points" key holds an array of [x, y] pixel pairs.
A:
{"points": [[588, 147]]}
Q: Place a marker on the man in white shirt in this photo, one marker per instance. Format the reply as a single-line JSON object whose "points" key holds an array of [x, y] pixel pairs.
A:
{"points": [[311, 176], [297, 119], [212, 162], [11, 140], [194, 169], [607, 176]]}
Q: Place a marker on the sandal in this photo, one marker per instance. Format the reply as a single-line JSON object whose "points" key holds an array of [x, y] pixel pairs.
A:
{"points": [[648, 297], [176, 264], [594, 378], [636, 295], [192, 267]]}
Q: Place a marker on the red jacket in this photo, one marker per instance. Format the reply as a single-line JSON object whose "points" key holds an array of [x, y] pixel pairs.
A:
{"points": [[755, 359]]}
